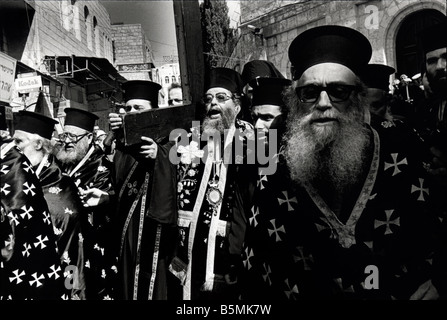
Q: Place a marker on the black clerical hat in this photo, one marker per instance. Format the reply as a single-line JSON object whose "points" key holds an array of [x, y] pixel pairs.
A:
{"points": [[225, 78], [433, 37], [142, 89], [33, 122], [268, 90], [259, 68], [80, 118], [329, 43], [377, 76]]}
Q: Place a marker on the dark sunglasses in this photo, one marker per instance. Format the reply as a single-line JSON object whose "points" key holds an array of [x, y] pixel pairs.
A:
{"points": [[336, 92]]}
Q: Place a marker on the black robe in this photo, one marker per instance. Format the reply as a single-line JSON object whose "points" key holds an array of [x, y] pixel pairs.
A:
{"points": [[146, 222], [100, 256], [297, 248], [30, 267], [211, 223], [66, 210]]}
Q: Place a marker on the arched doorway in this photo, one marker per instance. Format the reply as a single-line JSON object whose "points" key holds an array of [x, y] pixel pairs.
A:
{"points": [[409, 53]]}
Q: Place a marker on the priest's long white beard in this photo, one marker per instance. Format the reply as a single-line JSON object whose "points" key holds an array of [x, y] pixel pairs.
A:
{"points": [[331, 155]]}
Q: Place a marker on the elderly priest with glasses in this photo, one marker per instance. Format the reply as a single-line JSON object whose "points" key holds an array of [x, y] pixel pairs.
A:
{"points": [[83, 160], [347, 213], [212, 186]]}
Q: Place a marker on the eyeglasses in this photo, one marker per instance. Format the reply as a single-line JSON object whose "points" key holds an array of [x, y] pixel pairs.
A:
{"points": [[221, 97], [72, 138], [336, 92]]}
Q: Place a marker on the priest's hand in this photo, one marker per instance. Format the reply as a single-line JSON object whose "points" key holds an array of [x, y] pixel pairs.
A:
{"points": [[116, 120], [92, 197], [149, 149]]}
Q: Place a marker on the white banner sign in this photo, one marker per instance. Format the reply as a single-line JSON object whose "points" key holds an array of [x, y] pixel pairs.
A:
{"points": [[7, 76]]}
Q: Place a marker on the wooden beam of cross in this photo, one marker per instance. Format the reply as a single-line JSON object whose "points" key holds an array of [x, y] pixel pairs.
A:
{"points": [[156, 123]]}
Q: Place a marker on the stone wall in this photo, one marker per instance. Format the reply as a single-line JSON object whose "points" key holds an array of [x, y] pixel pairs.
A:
{"points": [[282, 21], [60, 28], [132, 48]]}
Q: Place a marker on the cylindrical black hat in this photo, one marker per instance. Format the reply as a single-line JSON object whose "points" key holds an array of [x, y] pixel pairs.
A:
{"points": [[225, 78], [33, 122], [377, 76], [268, 90], [259, 68], [141, 89], [80, 118], [329, 43]]}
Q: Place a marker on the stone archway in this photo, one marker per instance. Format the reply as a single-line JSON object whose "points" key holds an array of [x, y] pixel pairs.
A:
{"points": [[395, 24], [284, 65]]}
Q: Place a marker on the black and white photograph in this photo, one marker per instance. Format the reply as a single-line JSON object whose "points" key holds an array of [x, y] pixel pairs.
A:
{"points": [[225, 158]]}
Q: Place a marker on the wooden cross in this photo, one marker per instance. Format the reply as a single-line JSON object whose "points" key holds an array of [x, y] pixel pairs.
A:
{"points": [[156, 123]]}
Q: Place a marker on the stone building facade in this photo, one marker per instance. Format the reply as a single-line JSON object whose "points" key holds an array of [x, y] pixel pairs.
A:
{"points": [[51, 39], [166, 75], [65, 28], [267, 28], [133, 53]]}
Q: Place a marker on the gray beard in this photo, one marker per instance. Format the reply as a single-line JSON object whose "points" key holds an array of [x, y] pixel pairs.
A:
{"points": [[72, 157], [331, 156], [210, 126]]}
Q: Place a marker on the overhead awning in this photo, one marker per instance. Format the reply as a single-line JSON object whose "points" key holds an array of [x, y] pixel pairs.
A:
{"points": [[23, 68], [97, 75]]}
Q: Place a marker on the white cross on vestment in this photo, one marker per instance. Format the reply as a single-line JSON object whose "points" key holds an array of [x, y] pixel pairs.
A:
{"points": [[421, 190], [395, 164], [27, 248], [266, 275], [260, 180], [9, 244], [14, 218], [17, 276], [301, 257], [46, 217], [40, 241], [276, 230], [28, 167], [253, 221], [54, 272], [29, 189], [289, 290], [387, 222], [36, 279], [287, 200], [26, 212], [249, 254], [5, 169], [5, 190]]}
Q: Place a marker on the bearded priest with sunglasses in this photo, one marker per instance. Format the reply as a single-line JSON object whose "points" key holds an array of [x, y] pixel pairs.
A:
{"points": [[347, 214], [212, 186]]}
